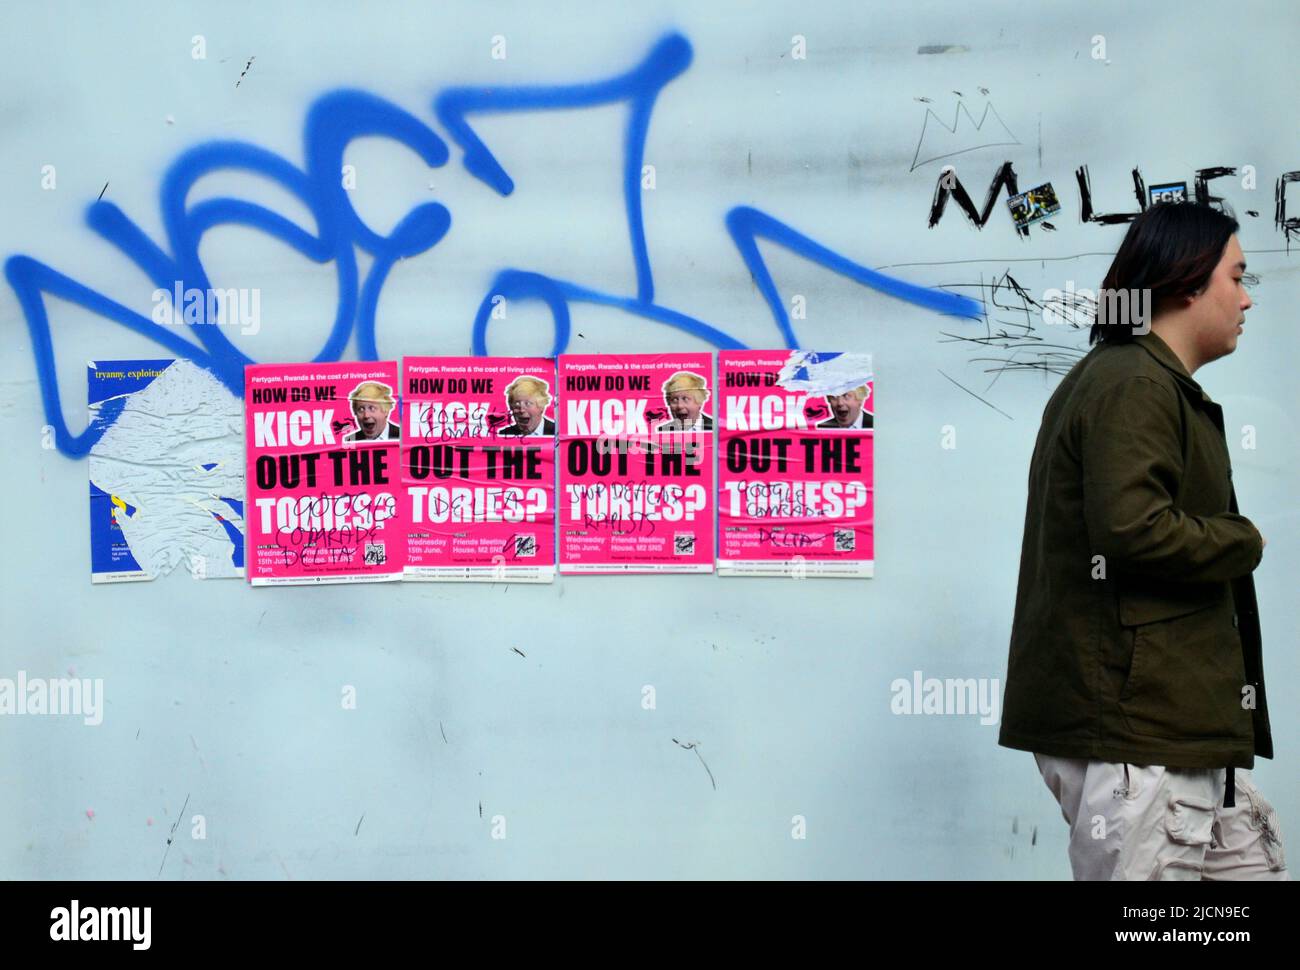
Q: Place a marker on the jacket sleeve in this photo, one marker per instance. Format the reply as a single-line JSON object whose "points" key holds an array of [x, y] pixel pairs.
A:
{"points": [[1131, 454]]}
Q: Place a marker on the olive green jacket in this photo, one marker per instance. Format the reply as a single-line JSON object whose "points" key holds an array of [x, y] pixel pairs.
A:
{"points": [[1136, 632]]}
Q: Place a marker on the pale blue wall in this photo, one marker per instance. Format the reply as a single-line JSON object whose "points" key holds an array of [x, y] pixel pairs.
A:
{"points": [[231, 696]]}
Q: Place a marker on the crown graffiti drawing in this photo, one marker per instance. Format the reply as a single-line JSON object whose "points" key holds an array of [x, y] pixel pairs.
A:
{"points": [[939, 140]]}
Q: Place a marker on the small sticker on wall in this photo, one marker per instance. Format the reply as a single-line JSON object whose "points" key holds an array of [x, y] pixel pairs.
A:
{"points": [[1033, 206], [1168, 192]]}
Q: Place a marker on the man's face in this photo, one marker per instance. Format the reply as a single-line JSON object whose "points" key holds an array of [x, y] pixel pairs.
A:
{"points": [[1220, 310], [846, 407], [684, 405], [525, 410], [372, 417]]}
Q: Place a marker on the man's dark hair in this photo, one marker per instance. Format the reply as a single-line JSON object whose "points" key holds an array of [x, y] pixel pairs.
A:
{"points": [[1170, 250]]}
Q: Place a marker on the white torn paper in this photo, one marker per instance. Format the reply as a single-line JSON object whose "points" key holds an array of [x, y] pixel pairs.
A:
{"points": [[824, 373], [175, 456]]}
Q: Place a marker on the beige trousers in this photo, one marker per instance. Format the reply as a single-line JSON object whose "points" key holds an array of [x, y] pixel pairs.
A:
{"points": [[1149, 822]]}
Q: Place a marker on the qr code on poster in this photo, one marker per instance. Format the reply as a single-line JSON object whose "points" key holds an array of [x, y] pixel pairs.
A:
{"points": [[375, 555], [525, 546], [684, 543], [844, 540]]}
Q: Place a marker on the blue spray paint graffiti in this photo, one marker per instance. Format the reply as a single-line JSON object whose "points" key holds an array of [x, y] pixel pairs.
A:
{"points": [[334, 120]]}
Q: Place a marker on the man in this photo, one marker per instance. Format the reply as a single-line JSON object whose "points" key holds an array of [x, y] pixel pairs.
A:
{"points": [[1135, 672], [372, 402], [846, 410], [528, 398], [685, 393]]}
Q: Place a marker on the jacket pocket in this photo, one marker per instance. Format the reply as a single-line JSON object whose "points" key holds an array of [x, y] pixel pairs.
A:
{"points": [[1141, 656], [1186, 670], [1168, 602]]}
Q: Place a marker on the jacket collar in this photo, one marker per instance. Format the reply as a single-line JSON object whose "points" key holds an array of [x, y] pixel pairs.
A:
{"points": [[1163, 355]]}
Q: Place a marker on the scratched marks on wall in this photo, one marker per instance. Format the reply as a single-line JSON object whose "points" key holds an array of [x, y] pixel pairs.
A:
{"points": [[1015, 337], [332, 122]]}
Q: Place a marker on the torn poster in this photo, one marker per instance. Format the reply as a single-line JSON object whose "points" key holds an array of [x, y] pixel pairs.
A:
{"points": [[323, 476], [478, 468], [167, 476], [796, 464], [636, 463]]}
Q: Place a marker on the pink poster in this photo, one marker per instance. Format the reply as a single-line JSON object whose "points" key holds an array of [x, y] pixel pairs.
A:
{"points": [[796, 464], [636, 463], [322, 447], [478, 468]]}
